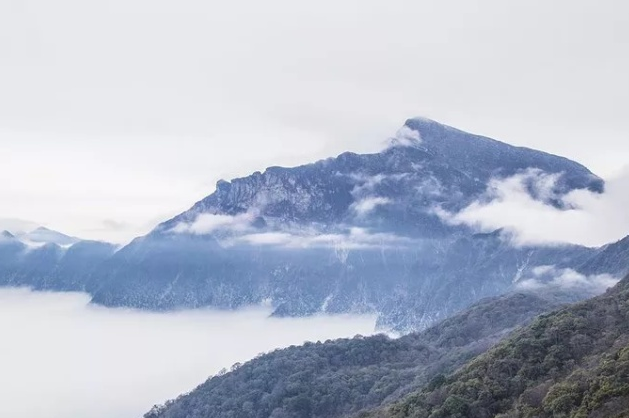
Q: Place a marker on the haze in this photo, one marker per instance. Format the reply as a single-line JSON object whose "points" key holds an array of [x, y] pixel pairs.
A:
{"points": [[62, 358]]}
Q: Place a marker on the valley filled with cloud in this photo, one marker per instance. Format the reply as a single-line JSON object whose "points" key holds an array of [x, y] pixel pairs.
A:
{"points": [[66, 358]]}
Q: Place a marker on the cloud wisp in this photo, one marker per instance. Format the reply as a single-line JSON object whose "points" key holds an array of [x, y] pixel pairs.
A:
{"points": [[207, 223], [353, 238], [367, 205], [235, 230], [406, 137], [519, 205], [551, 278]]}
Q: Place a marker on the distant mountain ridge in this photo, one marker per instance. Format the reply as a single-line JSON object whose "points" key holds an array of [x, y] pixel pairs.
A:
{"points": [[44, 259], [43, 235]]}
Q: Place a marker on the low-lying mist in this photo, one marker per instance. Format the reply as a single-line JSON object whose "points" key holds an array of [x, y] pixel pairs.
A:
{"points": [[63, 358]]}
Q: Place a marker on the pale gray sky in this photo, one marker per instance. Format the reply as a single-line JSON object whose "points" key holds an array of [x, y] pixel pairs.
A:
{"points": [[117, 114]]}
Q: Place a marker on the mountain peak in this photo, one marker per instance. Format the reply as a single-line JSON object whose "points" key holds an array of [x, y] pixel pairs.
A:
{"points": [[447, 141], [421, 120], [43, 235], [423, 124], [427, 133], [471, 152], [6, 234], [431, 130]]}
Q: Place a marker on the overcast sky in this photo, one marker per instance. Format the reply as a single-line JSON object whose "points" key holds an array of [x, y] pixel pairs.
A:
{"points": [[117, 114]]}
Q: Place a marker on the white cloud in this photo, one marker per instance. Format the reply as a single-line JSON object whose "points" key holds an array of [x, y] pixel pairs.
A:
{"points": [[269, 238], [365, 183], [542, 270], [238, 229], [354, 238], [368, 204], [406, 137], [430, 186], [61, 357], [588, 218], [207, 223], [548, 277]]}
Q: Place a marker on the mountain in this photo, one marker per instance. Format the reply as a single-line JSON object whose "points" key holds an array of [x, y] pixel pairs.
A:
{"points": [[571, 363], [42, 236], [342, 377], [6, 235], [611, 258], [10, 249], [355, 233], [44, 259]]}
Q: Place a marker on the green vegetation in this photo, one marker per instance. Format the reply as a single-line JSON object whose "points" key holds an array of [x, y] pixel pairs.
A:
{"points": [[571, 363], [342, 377]]}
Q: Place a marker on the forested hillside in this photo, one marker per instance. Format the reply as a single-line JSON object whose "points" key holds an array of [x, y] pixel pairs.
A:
{"points": [[342, 377], [571, 363]]}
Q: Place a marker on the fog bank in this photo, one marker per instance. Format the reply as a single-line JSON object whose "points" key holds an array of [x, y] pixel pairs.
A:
{"points": [[61, 358]]}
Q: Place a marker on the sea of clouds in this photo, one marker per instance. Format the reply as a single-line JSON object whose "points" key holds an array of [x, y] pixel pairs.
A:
{"points": [[61, 357]]}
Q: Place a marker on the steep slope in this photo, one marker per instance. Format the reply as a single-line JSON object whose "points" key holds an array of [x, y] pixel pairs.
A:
{"points": [[354, 233], [341, 377], [10, 250], [571, 363], [612, 258]]}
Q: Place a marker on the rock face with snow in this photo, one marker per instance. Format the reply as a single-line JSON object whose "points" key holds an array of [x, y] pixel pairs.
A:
{"points": [[355, 233]]}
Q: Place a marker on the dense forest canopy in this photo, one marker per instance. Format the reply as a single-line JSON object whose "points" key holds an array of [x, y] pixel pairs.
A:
{"points": [[571, 363]]}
